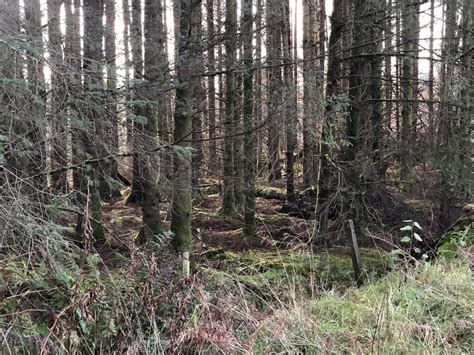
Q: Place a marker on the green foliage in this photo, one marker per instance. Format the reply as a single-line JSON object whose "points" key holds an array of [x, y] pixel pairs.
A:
{"points": [[431, 312], [455, 241]]}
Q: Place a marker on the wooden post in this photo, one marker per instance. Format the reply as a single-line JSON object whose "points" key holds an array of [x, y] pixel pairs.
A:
{"points": [[186, 271], [355, 253]]}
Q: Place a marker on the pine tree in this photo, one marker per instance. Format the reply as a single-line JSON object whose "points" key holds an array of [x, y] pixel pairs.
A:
{"points": [[137, 126], [275, 84], [248, 121], [408, 80], [228, 204], [290, 109], [189, 47], [57, 98], [154, 76], [91, 116]]}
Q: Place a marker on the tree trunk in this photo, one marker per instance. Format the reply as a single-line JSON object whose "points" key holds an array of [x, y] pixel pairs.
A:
{"points": [[290, 108], [408, 32], [448, 150], [249, 127], [126, 69], [57, 122], [36, 130], [275, 83], [111, 84], [189, 47], [137, 126], [155, 81], [258, 112], [199, 97], [72, 50], [328, 125], [431, 111], [91, 118], [211, 89], [228, 204]]}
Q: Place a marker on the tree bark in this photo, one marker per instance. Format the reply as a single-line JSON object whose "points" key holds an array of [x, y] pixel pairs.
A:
{"points": [[211, 88], [290, 109], [249, 127], [111, 85], [275, 83], [137, 127], [408, 33], [57, 122], [189, 47], [91, 115], [154, 94], [36, 130], [228, 204]]}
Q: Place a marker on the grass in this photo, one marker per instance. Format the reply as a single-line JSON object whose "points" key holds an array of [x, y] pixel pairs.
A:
{"points": [[254, 302], [425, 310]]}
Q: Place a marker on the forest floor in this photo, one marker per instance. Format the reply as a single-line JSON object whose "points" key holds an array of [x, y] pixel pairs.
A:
{"points": [[276, 293]]}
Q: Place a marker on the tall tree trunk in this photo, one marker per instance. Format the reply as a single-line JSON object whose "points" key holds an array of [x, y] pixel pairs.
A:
{"points": [[290, 109], [310, 53], [388, 66], [238, 139], [127, 66], [92, 117], [57, 98], [328, 125], [408, 32], [211, 89], [275, 83], [466, 97], [431, 110], [72, 56], [189, 48], [364, 126], [228, 204], [448, 151], [155, 76], [111, 84], [36, 130], [11, 68], [258, 112], [199, 97], [137, 126], [249, 127]]}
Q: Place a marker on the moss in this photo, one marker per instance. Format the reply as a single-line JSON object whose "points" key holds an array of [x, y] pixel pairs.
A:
{"points": [[307, 273]]}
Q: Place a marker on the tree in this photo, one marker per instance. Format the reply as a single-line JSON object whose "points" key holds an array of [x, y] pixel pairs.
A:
{"points": [[408, 33], [228, 204], [199, 100], [275, 83], [72, 56], [57, 111], [36, 133], [448, 146], [189, 47], [211, 91], [137, 126], [290, 109], [328, 124], [154, 76], [258, 111], [92, 116], [111, 130], [431, 112], [248, 121], [311, 88]]}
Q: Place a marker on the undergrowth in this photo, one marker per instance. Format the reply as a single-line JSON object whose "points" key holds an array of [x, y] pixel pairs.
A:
{"points": [[264, 305], [57, 298]]}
